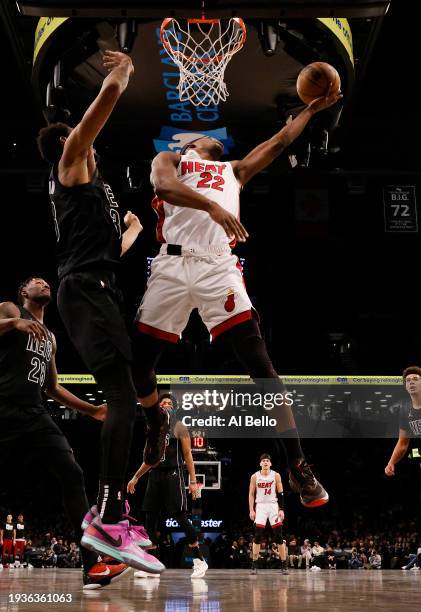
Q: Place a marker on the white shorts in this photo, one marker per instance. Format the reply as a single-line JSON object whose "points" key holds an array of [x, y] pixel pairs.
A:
{"points": [[213, 283], [267, 512]]}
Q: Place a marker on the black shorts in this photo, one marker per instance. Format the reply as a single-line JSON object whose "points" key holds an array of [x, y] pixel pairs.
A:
{"points": [[32, 430], [165, 492], [90, 306]]}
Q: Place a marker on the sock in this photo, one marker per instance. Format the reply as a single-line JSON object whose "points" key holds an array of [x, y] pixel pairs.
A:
{"points": [[110, 500]]}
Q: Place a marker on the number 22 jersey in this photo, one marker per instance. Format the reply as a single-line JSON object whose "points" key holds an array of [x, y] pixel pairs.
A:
{"points": [[216, 181]]}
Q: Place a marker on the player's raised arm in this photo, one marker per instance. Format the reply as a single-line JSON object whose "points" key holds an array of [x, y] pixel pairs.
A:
{"points": [[264, 154], [83, 135], [168, 188]]}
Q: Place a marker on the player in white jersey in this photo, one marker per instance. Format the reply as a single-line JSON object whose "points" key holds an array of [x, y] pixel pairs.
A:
{"points": [[266, 503], [197, 202]]}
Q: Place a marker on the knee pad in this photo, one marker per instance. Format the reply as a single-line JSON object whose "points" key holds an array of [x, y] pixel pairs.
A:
{"points": [[277, 534], [258, 535]]}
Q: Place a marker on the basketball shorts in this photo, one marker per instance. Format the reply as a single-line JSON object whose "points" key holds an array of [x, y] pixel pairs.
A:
{"points": [[267, 512], [90, 306], [165, 491], [179, 283]]}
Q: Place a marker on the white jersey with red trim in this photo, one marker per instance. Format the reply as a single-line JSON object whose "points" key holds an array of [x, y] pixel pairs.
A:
{"points": [[266, 488], [214, 180]]}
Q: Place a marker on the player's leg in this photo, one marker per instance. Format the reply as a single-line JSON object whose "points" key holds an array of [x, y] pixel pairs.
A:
{"points": [[278, 537], [116, 435], [257, 539], [199, 563], [249, 347], [90, 306], [227, 312], [160, 319]]}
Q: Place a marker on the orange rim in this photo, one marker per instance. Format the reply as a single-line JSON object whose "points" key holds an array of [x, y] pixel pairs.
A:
{"points": [[238, 45]]}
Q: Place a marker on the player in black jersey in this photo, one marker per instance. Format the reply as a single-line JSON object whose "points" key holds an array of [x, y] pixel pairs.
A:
{"points": [[166, 489], [410, 419], [27, 372], [89, 247]]}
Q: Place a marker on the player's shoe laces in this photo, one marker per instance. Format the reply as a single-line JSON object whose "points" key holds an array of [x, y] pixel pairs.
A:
{"points": [[199, 568], [157, 440], [303, 481], [102, 574], [138, 533], [116, 541]]}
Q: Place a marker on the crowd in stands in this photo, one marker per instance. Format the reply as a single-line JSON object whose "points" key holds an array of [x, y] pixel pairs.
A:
{"points": [[385, 550]]}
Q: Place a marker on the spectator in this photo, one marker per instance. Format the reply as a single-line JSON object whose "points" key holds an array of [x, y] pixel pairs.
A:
{"points": [[306, 553], [374, 560], [355, 560], [331, 557], [294, 553], [318, 554], [414, 561]]}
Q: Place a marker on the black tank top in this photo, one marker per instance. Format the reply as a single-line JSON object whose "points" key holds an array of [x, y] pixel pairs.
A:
{"points": [[173, 457], [87, 225], [24, 367]]}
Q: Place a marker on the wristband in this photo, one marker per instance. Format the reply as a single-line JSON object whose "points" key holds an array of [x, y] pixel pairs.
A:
{"points": [[193, 481], [280, 497]]}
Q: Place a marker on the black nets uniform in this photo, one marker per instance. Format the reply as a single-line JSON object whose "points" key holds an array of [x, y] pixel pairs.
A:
{"points": [[88, 231], [24, 373], [410, 421], [25, 423], [166, 489]]}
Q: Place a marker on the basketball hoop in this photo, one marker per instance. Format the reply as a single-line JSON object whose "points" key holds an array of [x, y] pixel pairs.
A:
{"points": [[202, 50]]}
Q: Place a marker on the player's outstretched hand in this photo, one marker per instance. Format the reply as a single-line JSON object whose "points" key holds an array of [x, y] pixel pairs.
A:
{"points": [[32, 328], [324, 102], [114, 59], [389, 470], [232, 226], [131, 485]]}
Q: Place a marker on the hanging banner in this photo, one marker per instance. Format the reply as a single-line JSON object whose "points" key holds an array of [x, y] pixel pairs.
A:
{"points": [[400, 208]]}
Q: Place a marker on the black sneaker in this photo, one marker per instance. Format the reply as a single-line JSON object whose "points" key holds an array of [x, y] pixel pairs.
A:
{"points": [[303, 481], [157, 440], [253, 570], [284, 568]]}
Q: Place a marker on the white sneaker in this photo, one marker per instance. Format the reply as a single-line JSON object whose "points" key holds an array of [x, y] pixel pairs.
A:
{"points": [[403, 567], [199, 568], [315, 568], [142, 574], [414, 569]]}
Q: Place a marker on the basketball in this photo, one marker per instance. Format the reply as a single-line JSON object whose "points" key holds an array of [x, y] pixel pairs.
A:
{"points": [[314, 80]]}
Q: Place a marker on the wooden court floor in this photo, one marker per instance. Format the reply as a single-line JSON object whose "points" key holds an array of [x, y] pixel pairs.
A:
{"points": [[219, 591]]}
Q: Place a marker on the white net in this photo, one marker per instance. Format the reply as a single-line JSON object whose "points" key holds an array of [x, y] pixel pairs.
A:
{"points": [[201, 50]]}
